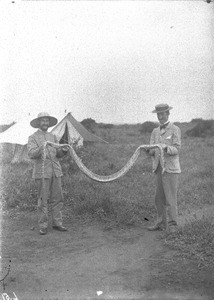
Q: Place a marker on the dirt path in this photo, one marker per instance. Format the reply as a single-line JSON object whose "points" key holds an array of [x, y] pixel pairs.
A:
{"points": [[79, 263]]}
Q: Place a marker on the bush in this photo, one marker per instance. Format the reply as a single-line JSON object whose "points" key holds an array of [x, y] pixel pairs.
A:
{"points": [[147, 127], [89, 124], [105, 126], [202, 128], [196, 120]]}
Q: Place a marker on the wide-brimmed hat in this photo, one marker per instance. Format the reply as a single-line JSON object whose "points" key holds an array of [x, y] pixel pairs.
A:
{"points": [[36, 122], [161, 108]]}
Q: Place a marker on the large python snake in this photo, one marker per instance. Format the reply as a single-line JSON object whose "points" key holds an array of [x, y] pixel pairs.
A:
{"points": [[103, 178]]}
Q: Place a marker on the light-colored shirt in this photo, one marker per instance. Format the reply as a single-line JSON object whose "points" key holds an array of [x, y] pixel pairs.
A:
{"points": [[170, 136]]}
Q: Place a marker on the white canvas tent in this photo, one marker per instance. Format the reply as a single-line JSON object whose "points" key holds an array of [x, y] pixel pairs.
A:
{"points": [[68, 130], [14, 141]]}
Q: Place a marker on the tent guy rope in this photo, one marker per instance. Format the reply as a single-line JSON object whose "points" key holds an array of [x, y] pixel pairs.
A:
{"points": [[102, 178]]}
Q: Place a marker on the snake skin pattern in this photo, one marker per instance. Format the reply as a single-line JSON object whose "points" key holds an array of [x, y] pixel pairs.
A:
{"points": [[107, 178]]}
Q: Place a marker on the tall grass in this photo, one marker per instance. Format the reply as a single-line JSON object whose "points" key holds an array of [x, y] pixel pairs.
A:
{"points": [[195, 240], [128, 198], [17, 188], [196, 180]]}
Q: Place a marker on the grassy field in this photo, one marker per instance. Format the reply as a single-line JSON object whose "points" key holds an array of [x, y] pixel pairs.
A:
{"points": [[129, 200]]}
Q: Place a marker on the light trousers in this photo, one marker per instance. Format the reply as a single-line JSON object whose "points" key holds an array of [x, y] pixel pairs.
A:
{"points": [[166, 196], [51, 189]]}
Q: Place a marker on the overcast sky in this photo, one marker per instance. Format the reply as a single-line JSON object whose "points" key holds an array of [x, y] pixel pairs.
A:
{"points": [[110, 61]]}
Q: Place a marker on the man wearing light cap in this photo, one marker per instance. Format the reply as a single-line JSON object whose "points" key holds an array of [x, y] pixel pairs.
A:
{"points": [[47, 173], [168, 136]]}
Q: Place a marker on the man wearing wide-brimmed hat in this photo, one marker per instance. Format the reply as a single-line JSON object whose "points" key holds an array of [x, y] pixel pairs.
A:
{"points": [[47, 173], [168, 136]]}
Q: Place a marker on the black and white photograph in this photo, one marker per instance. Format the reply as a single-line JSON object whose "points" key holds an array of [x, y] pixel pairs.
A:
{"points": [[107, 150]]}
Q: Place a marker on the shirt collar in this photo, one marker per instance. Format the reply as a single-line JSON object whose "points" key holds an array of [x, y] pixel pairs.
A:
{"points": [[165, 125]]}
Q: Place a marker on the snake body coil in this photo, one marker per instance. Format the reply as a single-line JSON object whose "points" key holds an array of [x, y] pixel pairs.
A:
{"points": [[108, 178]]}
